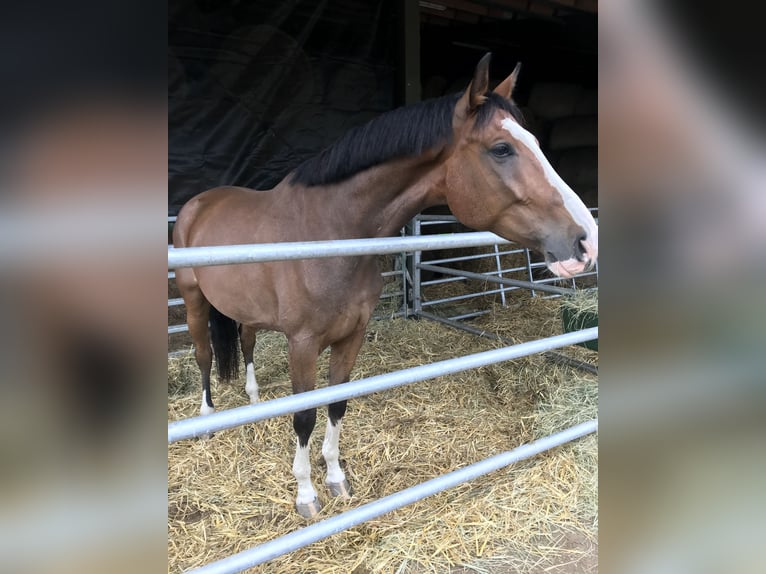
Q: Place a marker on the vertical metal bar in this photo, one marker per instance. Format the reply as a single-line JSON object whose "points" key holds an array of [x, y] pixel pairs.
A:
{"points": [[500, 274], [529, 270], [416, 276], [403, 268]]}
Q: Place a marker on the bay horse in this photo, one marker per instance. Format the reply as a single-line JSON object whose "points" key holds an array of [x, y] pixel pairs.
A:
{"points": [[468, 151]]}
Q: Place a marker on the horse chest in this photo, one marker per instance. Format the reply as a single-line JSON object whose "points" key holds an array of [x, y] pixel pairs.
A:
{"points": [[342, 278]]}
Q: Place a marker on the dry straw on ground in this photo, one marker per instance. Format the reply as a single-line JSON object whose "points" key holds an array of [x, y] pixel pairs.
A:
{"points": [[582, 302], [236, 489]]}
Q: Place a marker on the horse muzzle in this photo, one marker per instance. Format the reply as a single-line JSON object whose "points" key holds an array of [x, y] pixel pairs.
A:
{"points": [[584, 257]]}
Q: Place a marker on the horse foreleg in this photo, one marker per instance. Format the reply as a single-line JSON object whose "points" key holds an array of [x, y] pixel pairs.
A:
{"points": [[336, 479], [342, 358], [303, 357], [247, 344]]}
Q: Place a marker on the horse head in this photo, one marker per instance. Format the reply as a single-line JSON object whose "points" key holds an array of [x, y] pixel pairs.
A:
{"points": [[497, 179]]}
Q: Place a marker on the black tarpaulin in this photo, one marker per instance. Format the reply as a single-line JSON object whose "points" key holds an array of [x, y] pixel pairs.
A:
{"points": [[255, 88]]}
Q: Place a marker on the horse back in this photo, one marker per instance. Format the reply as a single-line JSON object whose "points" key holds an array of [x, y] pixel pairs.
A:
{"points": [[218, 216]]}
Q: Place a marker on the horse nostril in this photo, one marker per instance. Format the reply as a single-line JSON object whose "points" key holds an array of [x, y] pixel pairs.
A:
{"points": [[579, 247]]}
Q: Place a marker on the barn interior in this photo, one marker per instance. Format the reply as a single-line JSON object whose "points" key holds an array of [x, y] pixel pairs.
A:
{"points": [[255, 88]]}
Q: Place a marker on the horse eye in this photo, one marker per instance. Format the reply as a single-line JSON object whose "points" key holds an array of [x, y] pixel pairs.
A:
{"points": [[502, 150]]}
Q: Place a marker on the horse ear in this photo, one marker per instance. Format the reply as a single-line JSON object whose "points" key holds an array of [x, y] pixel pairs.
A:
{"points": [[474, 96], [505, 88]]}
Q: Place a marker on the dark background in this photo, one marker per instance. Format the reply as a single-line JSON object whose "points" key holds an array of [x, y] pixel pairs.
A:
{"points": [[255, 88]]}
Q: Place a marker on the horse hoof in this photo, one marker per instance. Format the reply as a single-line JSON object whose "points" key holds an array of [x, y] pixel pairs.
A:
{"points": [[309, 509], [342, 489]]}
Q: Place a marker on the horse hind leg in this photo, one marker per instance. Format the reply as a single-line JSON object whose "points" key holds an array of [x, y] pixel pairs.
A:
{"points": [[197, 314], [303, 357], [342, 358], [247, 343]]}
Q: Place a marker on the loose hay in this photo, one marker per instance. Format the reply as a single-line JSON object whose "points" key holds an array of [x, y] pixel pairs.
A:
{"points": [[582, 302], [236, 489]]}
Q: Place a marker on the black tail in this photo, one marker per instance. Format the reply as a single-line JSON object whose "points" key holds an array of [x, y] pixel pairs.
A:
{"points": [[225, 338]]}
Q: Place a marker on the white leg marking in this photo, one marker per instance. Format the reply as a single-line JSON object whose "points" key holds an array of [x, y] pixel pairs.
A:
{"points": [[572, 201], [302, 473], [331, 453], [251, 386], [204, 408]]}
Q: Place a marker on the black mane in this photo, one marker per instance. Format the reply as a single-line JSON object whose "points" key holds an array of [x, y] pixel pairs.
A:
{"points": [[410, 130]]}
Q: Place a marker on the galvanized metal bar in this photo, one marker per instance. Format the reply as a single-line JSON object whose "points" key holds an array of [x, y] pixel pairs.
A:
{"points": [[430, 218], [470, 315], [407, 281], [335, 524], [196, 426], [178, 329], [438, 222], [549, 280], [576, 363], [442, 281], [529, 272], [390, 294], [463, 327], [452, 279], [403, 268], [500, 274], [463, 297], [234, 254], [472, 257], [552, 355], [417, 278], [175, 302], [492, 279]]}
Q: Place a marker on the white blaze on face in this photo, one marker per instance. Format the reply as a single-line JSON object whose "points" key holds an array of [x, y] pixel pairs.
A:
{"points": [[572, 202]]}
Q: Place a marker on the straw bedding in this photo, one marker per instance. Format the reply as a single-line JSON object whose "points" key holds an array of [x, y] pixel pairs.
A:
{"points": [[583, 302], [236, 489]]}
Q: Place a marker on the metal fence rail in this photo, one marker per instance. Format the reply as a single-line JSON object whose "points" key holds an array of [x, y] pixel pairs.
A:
{"points": [[258, 252], [237, 254], [310, 534], [200, 425], [519, 271], [254, 253], [498, 280]]}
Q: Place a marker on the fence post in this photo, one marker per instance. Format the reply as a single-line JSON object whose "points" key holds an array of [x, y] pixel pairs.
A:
{"points": [[416, 276]]}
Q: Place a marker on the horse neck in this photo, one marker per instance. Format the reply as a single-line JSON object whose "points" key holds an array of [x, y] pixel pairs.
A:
{"points": [[381, 200]]}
